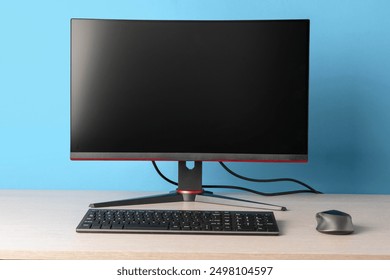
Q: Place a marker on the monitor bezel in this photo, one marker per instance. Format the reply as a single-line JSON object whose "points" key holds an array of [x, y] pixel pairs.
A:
{"points": [[189, 157]]}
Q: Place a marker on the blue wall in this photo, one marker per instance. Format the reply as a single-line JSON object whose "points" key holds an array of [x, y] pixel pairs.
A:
{"points": [[349, 94]]}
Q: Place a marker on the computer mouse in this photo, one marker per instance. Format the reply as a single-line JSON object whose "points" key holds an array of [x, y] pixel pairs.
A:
{"points": [[334, 222]]}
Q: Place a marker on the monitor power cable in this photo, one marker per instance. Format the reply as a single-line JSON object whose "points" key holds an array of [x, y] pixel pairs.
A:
{"points": [[308, 189]]}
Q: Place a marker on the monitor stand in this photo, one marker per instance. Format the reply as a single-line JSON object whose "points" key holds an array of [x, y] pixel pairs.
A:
{"points": [[190, 189]]}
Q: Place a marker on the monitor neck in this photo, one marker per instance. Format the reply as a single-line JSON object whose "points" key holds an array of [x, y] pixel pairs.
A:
{"points": [[190, 179]]}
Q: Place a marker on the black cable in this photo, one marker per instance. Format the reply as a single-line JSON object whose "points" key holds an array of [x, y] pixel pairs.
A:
{"points": [[162, 175], [312, 190], [256, 192]]}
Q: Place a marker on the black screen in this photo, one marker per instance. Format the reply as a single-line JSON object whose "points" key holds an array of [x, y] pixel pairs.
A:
{"points": [[189, 90]]}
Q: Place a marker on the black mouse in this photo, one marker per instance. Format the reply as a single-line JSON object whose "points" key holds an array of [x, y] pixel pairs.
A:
{"points": [[334, 222]]}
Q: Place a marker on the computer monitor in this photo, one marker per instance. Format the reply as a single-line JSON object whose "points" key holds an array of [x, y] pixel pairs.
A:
{"points": [[189, 90]]}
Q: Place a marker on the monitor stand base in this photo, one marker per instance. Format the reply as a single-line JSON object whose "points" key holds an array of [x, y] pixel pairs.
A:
{"points": [[206, 197], [190, 189]]}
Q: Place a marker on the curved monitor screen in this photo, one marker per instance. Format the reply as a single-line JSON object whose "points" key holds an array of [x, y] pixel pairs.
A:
{"points": [[189, 90]]}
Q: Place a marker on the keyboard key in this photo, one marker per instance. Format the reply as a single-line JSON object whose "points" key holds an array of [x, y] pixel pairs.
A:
{"points": [[86, 225], [117, 226], [146, 227]]}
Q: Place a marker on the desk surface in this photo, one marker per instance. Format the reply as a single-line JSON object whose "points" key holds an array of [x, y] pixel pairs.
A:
{"points": [[41, 225]]}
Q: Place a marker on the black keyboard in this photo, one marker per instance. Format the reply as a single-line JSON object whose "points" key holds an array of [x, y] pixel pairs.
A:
{"points": [[178, 221]]}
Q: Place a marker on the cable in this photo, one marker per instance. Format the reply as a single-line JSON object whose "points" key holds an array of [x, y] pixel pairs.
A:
{"points": [[310, 189], [256, 192], [162, 175]]}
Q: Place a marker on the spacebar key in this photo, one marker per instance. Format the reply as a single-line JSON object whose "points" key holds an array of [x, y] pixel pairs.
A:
{"points": [[146, 226]]}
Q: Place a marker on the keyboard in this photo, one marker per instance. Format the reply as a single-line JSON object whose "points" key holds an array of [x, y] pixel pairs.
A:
{"points": [[178, 222]]}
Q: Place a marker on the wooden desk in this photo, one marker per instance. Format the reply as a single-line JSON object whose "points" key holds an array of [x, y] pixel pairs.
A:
{"points": [[41, 225]]}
